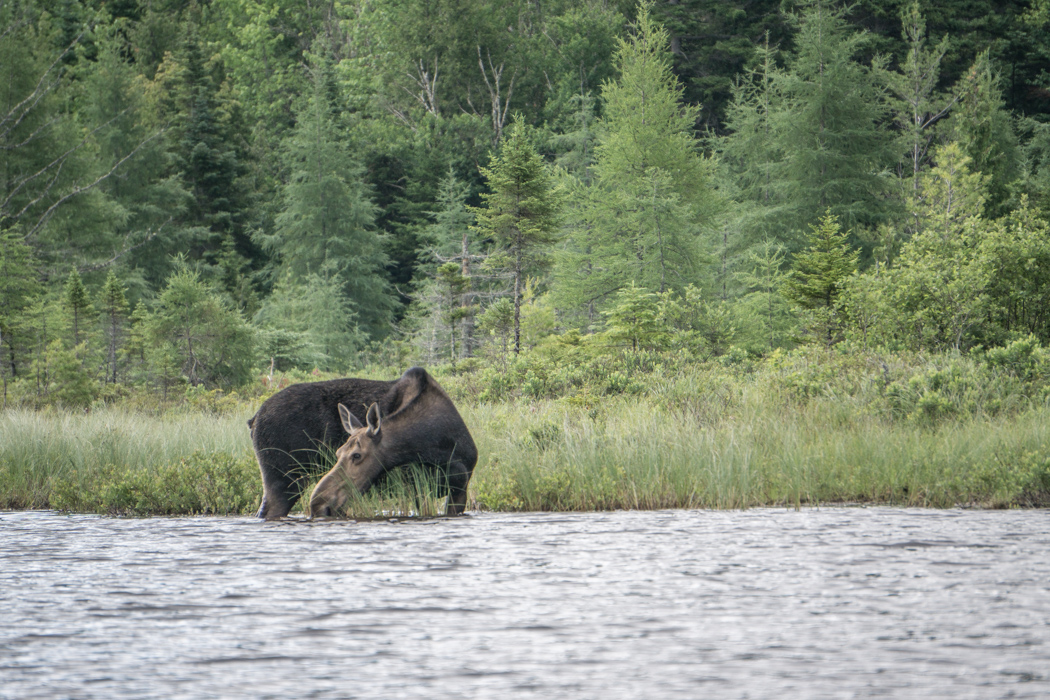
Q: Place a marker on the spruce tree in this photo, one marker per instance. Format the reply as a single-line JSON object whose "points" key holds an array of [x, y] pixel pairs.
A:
{"points": [[328, 219], [113, 304], [521, 214], [642, 218], [817, 129], [78, 303], [819, 272], [984, 129]]}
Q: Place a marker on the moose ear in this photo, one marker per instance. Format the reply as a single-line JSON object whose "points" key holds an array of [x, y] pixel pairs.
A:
{"points": [[350, 422], [375, 421]]}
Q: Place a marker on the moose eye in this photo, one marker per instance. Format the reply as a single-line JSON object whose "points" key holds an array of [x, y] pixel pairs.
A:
{"points": [[355, 456]]}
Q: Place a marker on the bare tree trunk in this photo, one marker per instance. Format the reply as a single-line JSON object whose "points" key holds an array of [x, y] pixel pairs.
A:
{"points": [[500, 106], [467, 326]]}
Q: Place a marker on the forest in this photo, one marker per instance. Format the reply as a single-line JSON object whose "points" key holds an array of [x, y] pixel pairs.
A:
{"points": [[554, 198]]}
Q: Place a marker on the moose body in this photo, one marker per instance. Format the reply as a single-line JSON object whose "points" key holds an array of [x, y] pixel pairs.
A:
{"points": [[420, 424]]}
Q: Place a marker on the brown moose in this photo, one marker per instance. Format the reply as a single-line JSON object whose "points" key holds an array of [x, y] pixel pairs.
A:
{"points": [[409, 421]]}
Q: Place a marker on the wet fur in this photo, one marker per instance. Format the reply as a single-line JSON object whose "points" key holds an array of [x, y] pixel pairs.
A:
{"points": [[294, 423]]}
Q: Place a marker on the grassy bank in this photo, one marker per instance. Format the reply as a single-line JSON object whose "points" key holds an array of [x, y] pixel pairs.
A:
{"points": [[789, 431]]}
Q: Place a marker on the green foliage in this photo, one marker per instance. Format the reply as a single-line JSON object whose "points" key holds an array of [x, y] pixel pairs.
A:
{"points": [[641, 218], [68, 384], [327, 224], [201, 484], [634, 321], [819, 273], [78, 304], [521, 214], [985, 131], [319, 166], [113, 305], [195, 333]]}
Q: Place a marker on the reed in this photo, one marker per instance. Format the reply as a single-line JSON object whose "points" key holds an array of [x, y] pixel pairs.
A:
{"points": [[938, 432]]}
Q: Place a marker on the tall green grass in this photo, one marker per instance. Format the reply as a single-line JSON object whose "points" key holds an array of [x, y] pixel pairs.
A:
{"points": [[793, 430], [119, 461], [629, 454]]}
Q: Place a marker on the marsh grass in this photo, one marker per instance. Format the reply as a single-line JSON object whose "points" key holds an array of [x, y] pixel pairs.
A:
{"points": [[413, 491], [114, 461], [793, 431]]}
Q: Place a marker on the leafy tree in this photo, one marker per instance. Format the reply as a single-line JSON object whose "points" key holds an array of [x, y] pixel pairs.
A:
{"points": [[818, 274], [521, 214], [935, 294], [1014, 253]]}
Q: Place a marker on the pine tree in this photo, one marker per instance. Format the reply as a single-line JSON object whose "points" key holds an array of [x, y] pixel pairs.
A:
{"points": [[984, 129], [641, 219], [521, 213], [918, 104], [328, 219], [819, 272], [78, 303], [818, 129], [114, 307]]}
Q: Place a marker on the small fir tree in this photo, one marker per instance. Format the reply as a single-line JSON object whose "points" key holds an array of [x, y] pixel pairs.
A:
{"points": [[521, 214], [78, 304], [113, 304], [819, 273]]}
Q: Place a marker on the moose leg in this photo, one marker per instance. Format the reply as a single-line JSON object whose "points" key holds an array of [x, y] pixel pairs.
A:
{"points": [[458, 477], [277, 499]]}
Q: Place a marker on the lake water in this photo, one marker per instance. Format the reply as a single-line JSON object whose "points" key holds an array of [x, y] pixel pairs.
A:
{"points": [[821, 603]]}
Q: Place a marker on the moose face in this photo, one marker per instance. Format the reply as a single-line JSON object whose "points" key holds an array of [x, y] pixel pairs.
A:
{"points": [[357, 463]]}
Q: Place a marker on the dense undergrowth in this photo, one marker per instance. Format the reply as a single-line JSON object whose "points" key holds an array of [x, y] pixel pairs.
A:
{"points": [[644, 430]]}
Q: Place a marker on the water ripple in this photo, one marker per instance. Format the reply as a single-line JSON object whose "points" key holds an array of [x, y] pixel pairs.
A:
{"points": [[829, 603]]}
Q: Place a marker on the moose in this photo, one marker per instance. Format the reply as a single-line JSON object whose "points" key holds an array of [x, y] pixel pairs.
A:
{"points": [[410, 420]]}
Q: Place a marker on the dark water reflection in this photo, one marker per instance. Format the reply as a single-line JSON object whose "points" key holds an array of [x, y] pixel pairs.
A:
{"points": [[830, 603]]}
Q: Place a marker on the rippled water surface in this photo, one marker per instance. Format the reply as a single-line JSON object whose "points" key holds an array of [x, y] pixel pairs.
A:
{"points": [[828, 603]]}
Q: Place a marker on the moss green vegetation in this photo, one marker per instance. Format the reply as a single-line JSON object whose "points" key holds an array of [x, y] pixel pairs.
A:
{"points": [[802, 428]]}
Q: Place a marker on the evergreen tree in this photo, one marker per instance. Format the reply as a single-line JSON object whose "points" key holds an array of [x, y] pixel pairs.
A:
{"points": [[450, 236], [78, 303], [311, 323], [521, 214], [985, 131], [113, 304], [642, 218], [327, 222], [819, 272], [19, 288], [818, 130], [634, 319], [918, 103], [194, 332]]}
